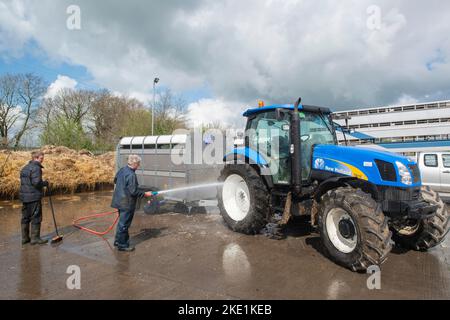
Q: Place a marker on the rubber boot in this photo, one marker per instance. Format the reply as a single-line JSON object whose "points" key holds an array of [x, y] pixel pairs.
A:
{"points": [[26, 233], [36, 235], [127, 249]]}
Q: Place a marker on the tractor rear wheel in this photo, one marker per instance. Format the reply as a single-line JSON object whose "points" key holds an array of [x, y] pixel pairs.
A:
{"points": [[243, 199], [427, 233], [353, 228]]}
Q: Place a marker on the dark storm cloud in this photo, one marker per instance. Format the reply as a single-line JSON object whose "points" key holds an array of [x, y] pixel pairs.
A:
{"points": [[247, 50]]}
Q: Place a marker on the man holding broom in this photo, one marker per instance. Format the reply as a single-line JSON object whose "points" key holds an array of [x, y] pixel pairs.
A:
{"points": [[31, 193]]}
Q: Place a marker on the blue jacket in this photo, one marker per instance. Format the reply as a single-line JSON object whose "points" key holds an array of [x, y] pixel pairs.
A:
{"points": [[31, 184], [126, 191]]}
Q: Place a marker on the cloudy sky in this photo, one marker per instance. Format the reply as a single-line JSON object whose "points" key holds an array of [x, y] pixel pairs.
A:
{"points": [[223, 56]]}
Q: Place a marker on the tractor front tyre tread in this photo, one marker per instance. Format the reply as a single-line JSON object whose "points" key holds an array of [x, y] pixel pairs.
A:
{"points": [[259, 213], [374, 237], [432, 231]]}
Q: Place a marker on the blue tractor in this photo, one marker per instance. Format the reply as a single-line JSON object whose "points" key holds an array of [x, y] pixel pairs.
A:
{"points": [[360, 200]]}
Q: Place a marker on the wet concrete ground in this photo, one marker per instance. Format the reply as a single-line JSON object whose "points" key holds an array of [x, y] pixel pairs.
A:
{"points": [[197, 257]]}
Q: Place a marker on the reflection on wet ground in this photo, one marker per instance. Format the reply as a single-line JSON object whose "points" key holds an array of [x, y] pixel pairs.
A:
{"points": [[196, 257]]}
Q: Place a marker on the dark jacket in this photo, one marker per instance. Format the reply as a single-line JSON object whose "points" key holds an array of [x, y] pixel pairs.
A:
{"points": [[127, 190], [31, 184]]}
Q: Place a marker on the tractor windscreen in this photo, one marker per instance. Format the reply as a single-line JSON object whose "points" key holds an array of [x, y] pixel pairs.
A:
{"points": [[316, 128]]}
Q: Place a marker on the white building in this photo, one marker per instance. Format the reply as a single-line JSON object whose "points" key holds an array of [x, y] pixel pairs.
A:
{"points": [[405, 129]]}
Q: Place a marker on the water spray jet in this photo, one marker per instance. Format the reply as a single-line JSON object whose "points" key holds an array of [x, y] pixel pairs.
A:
{"points": [[187, 188]]}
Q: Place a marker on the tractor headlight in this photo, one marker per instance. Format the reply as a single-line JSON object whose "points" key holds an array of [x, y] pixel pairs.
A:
{"points": [[405, 175]]}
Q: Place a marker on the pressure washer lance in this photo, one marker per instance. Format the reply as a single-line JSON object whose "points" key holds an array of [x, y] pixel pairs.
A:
{"points": [[57, 238]]}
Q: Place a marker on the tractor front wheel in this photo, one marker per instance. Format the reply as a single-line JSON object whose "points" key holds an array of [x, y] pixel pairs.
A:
{"points": [[243, 199], [428, 233], [353, 228]]}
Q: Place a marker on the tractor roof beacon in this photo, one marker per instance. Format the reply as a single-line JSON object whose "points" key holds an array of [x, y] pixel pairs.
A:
{"points": [[360, 200]]}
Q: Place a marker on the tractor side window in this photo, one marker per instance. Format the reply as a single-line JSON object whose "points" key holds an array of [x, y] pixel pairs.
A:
{"points": [[430, 160], [270, 137]]}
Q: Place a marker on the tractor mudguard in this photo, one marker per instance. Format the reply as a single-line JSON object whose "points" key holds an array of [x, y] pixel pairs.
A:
{"points": [[338, 181], [252, 156], [254, 159]]}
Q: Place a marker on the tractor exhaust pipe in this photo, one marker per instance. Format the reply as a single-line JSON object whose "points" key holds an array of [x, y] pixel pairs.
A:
{"points": [[295, 150]]}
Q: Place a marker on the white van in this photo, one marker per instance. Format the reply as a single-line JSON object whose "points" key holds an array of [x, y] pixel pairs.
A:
{"points": [[435, 169]]}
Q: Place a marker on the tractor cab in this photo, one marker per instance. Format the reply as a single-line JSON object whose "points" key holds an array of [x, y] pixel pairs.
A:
{"points": [[268, 133]]}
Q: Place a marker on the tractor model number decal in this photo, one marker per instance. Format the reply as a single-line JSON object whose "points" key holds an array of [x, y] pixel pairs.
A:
{"points": [[339, 167]]}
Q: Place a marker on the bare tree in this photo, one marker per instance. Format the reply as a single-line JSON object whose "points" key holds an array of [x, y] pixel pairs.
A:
{"points": [[73, 105], [30, 91], [64, 118], [45, 113], [20, 96], [103, 117], [170, 113], [107, 117], [9, 111], [215, 125]]}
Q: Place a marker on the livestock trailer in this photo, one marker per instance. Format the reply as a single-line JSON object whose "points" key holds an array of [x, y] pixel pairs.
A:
{"points": [[159, 172]]}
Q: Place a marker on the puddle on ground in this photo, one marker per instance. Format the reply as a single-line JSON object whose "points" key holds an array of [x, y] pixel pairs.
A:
{"points": [[198, 257], [67, 209]]}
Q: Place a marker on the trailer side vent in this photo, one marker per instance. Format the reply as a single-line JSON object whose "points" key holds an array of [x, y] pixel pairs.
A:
{"points": [[165, 146]]}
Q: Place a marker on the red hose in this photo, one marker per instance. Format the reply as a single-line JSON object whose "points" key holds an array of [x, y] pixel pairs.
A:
{"points": [[99, 215]]}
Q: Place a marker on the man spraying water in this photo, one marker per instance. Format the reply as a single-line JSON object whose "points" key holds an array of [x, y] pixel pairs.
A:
{"points": [[126, 194]]}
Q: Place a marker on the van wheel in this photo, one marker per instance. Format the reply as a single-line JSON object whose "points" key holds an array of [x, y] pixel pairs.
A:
{"points": [[353, 229], [427, 233], [243, 199]]}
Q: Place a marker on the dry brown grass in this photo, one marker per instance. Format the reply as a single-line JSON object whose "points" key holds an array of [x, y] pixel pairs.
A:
{"points": [[67, 170]]}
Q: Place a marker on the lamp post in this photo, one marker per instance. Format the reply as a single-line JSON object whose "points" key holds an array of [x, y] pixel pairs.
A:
{"points": [[155, 81]]}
